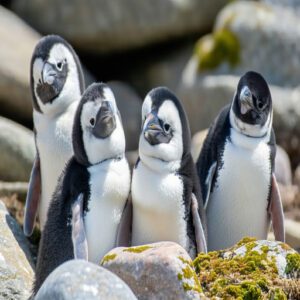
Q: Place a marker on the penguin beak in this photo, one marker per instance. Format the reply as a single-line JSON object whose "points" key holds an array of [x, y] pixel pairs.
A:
{"points": [[48, 73], [105, 122], [153, 132]]}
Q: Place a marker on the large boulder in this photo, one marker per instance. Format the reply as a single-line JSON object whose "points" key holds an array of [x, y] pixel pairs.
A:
{"points": [[79, 280], [17, 43], [120, 24], [17, 151], [244, 38], [250, 270], [155, 271], [16, 274]]}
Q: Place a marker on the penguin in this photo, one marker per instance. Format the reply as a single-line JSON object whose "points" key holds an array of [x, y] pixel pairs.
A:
{"points": [[236, 168], [88, 203], [57, 83], [165, 190]]}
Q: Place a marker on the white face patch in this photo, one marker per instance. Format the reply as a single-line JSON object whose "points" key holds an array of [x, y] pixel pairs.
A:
{"points": [[246, 100], [71, 88], [164, 155], [98, 149]]}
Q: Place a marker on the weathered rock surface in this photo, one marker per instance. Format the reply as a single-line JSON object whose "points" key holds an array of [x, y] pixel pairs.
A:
{"points": [[117, 25], [251, 270], [155, 271], [17, 43], [130, 107], [239, 35], [79, 280], [16, 272], [17, 151]]}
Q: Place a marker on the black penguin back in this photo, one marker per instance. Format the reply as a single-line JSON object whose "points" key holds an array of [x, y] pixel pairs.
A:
{"points": [[213, 148], [56, 245]]}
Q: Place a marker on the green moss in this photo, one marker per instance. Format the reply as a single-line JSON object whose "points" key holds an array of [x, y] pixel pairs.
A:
{"points": [[188, 276], [108, 257], [253, 275], [293, 264], [222, 46], [138, 249]]}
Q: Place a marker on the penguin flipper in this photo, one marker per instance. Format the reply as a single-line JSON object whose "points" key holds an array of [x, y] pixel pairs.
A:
{"points": [[78, 233], [208, 182], [276, 211], [123, 238], [199, 232], [33, 197]]}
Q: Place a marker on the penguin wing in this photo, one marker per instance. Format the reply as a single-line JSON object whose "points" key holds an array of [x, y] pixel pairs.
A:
{"points": [[199, 232], [78, 232], [211, 153], [33, 197], [276, 211], [123, 238]]}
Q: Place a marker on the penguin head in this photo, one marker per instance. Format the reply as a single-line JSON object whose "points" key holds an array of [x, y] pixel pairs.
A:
{"points": [[97, 131], [56, 75], [251, 110], [165, 136]]}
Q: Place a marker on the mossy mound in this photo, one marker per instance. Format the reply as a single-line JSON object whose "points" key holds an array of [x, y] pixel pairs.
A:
{"points": [[217, 48], [250, 270]]}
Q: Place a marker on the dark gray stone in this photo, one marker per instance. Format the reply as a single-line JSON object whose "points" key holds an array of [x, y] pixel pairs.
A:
{"points": [[82, 280]]}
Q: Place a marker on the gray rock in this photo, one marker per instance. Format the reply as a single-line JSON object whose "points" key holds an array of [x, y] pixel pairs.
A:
{"points": [[250, 31], [17, 43], [130, 107], [82, 280], [155, 271], [17, 151], [118, 25], [16, 274]]}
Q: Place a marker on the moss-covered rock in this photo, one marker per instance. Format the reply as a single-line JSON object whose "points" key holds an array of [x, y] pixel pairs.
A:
{"points": [[250, 270]]}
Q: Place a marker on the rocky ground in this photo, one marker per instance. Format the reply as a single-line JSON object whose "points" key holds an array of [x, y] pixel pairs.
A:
{"points": [[198, 48]]}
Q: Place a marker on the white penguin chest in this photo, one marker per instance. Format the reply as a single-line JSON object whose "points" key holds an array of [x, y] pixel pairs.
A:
{"points": [[109, 190], [158, 208], [54, 143], [238, 204]]}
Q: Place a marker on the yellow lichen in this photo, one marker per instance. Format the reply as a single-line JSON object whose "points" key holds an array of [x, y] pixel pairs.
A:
{"points": [[137, 249], [293, 264], [108, 257]]}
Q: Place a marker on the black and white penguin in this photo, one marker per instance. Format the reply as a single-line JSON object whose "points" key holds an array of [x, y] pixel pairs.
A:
{"points": [[86, 209], [56, 84], [236, 168], [166, 197]]}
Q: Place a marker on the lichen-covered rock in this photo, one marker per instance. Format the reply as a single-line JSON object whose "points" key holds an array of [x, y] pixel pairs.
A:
{"points": [[120, 24], [17, 151], [156, 271], [244, 38], [251, 270], [17, 43], [16, 274], [130, 107], [80, 280]]}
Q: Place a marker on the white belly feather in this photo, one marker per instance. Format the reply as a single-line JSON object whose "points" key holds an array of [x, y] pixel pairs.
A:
{"points": [[158, 209], [238, 205], [54, 143], [109, 190]]}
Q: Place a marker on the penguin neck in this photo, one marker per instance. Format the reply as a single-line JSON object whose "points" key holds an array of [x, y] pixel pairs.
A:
{"points": [[158, 165]]}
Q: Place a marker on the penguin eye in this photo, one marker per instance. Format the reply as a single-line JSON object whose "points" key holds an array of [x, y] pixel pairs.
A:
{"points": [[59, 65], [260, 105], [92, 121], [167, 127]]}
